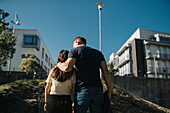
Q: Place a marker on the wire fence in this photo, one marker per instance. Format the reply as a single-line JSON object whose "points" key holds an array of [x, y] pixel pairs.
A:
{"points": [[41, 99]]}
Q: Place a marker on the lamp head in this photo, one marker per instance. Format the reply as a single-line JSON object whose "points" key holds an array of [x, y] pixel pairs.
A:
{"points": [[100, 5], [17, 23]]}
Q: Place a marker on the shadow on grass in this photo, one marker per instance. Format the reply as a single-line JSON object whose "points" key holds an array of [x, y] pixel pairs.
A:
{"points": [[20, 97]]}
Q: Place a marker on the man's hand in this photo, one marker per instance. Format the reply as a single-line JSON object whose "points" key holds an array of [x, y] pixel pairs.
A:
{"points": [[45, 107], [67, 65], [73, 108]]}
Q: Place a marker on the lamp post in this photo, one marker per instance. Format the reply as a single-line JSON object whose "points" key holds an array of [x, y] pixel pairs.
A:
{"points": [[154, 58], [100, 35], [99, 5], [155, 65], [16, 22]]}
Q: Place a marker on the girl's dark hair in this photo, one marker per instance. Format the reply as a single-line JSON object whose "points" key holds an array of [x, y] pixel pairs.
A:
{"points": [[57, 73]]}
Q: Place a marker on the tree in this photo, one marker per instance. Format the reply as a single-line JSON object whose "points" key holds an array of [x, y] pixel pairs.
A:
{"points": [[30, 64], [7, 40], [111, 69]]}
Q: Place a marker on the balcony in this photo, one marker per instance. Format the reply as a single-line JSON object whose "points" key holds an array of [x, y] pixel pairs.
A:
{"points": [[161, 43], [122, 62], [158, 70], [161, 56]]}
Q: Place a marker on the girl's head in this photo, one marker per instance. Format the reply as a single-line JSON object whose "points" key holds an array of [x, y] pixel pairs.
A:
{"points": [[63, 55], [56, 72]]}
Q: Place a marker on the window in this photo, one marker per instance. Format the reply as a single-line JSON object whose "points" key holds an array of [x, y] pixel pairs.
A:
{"points": [[164, 39], [164, 53], [38, 42], [117, 62], [169, 56], [128, 68], [164, 66], [41, 63], [49, 61], [42, 53], [164, 50], [158, 50], [45, 68], [148, 51], [28, 41], [37, 59], [51, 66], [120, 72], [48, 70], [149, 63], [23, 56], [148, 47], [46, 58], [157, 63], [31, 41], [127, 55]]}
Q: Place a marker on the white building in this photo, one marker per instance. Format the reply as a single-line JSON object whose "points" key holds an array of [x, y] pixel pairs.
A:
{"points": [[112, 58], [30, 41], [145, 54]]}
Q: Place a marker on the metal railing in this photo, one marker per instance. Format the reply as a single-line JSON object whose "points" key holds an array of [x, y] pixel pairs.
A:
{"points": [[159, 70], [40, 99], [159, 56]]}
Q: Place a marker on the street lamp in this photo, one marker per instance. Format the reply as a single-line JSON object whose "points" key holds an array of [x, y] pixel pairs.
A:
{"points": [[154, 58], [100, 35], [16, 22]]}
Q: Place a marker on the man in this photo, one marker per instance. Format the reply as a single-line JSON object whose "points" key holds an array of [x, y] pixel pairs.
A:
{"points": [[89, 89]]}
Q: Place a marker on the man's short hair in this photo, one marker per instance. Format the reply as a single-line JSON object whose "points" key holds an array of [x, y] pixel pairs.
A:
{"points": [[81, 40]]}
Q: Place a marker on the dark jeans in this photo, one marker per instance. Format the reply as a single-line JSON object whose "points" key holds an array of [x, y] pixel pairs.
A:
{"points": [[59, 104], [91, 98]]}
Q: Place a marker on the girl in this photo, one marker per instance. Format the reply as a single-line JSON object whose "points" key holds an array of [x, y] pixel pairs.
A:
{"points": [[58, 88]]}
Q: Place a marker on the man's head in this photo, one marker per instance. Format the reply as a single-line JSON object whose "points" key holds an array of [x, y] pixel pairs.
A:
{"points": [[79, 41]]}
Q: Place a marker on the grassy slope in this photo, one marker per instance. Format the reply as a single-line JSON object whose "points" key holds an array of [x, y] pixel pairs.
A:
{"points": [[20, 97], [125, 102]]}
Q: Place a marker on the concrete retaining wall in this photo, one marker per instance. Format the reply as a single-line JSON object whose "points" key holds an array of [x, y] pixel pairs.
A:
{"points": [[6, 77], [152, 89]]}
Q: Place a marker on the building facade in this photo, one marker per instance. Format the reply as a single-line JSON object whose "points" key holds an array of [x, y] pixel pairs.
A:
{"points": [[30, 42], [145, 54], [112, 58]]}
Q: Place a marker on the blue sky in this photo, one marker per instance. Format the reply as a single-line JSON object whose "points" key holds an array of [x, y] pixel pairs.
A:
{"points": [[60, 21]]}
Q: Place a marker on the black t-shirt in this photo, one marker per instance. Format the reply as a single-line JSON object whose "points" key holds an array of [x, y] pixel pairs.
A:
{"points": [[88, 61]]}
